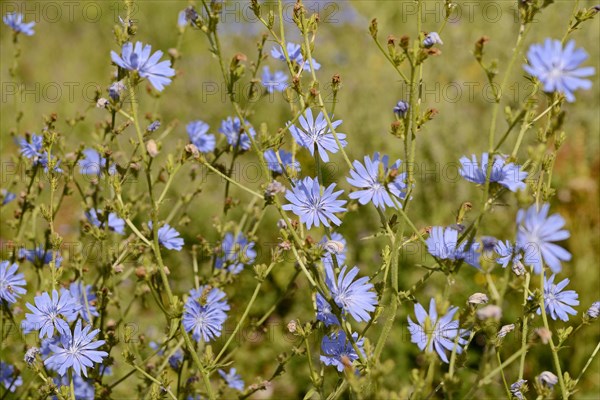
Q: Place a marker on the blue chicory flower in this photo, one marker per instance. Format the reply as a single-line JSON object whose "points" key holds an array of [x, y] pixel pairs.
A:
{"points": [[40, 255], [204, 313], [431, 39], [276, 81], [115, 223], [233, 379], [338, 351], [316, 133], [377, 182], [232, 129], [197, 132], [536, 233], [433, 333], [15, 22], [557, 301], [442, 243], [356, 298], [9, 378], [168, 237], [76, 292], [295, 54], [11, 283], [235, 253], [509, 175], [557, 68], [138, 59], [94, 164], [76, 351], [47, 313], [312, 206], [287, 161]]}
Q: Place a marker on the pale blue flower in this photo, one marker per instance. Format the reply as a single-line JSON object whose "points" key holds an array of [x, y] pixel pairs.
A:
{"points": [[9, 378], [168, 237], [11, 283], [75, 289], [76, 351], [431, 39], [442, 243], [509, 175], [337, 350], [507, 253], [316, 133], [340, 256], [354, 297], [198, 133], [233, 379], [235, 253], [7, 196], [440, 334], [115, 223], [15, 22], [557, 68], [204, 313], [287, 160], [401, 109], [233, 130], [47, 313], [295, 55], [276, 81], [536, 233], [324, 311], [557, 301], [138, 59], [94, 164], [312, 206], [41, 256], [377, 182]]}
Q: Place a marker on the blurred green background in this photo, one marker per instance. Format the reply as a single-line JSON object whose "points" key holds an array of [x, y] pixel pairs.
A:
{"points": [[69, 56]]}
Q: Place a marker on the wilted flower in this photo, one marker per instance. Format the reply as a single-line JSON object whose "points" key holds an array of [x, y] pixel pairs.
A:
{"points": [[153, 126], [594, 311], [478, 298], [401, 108], [544, 334], [30, 355], [490, 311], [505, 330], [548, 379], [515, 389], [431, 39], [274, 188]]}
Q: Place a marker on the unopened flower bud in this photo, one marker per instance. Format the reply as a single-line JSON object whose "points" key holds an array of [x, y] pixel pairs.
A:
{"points": [[401, 108], [101, 103], [31, 354], [152, 148]]}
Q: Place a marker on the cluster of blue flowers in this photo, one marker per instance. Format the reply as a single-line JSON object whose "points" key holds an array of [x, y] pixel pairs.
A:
{"points": [[63, 319]]}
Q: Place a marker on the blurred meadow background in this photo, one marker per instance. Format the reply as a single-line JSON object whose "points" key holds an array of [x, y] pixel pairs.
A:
{"points": [[69, 56]]}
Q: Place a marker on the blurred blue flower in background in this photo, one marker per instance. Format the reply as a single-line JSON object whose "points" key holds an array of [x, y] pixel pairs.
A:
{"points": [[15, 22], [557, 68]]}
